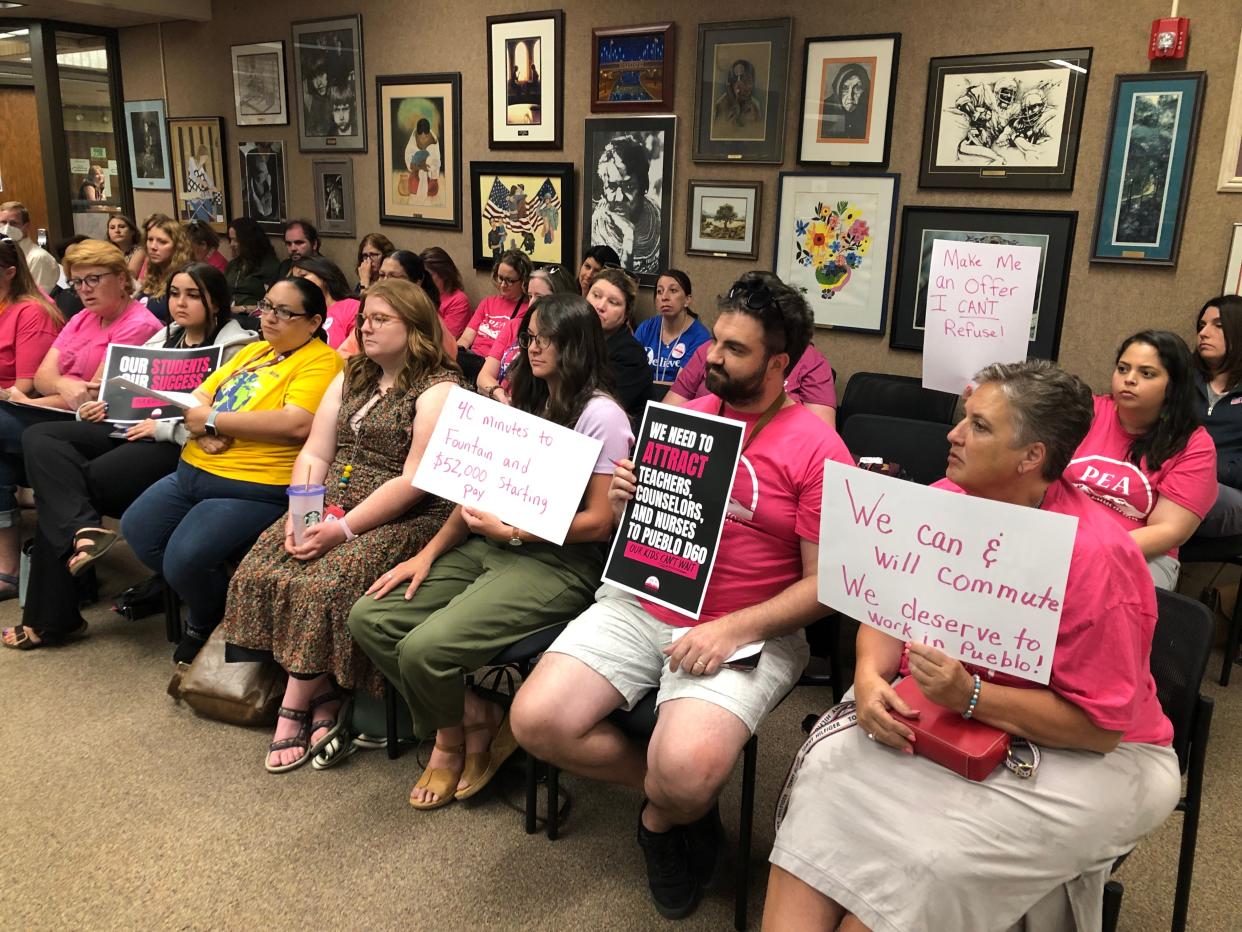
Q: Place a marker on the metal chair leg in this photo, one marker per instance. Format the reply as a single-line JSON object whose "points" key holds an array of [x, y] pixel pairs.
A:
{"points": [[1112, 905], [172, 615], [532, 793], [741, 901], [1231, 645], [554, 801], [390, 719]]}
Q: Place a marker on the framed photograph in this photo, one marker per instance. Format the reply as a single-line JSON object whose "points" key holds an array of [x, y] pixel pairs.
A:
{"points": [[327, 70], [1052, 231], [200, 177], [634, 69], [849, 84], [723, 219], [526, 80], [741, 77], [260, 95], [528, 206], [148, 145], [627, 180], [263, 180], [1147, 164], [1233, 267], [420, 149], [334, 196], [1009, 121], [1231, 158], [834, 243]]}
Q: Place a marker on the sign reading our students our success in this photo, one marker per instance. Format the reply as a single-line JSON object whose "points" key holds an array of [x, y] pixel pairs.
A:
{"points": [[169, 375]]}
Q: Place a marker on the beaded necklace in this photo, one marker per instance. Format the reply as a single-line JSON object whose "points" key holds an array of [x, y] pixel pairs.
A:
{"points": [[347, 471]]}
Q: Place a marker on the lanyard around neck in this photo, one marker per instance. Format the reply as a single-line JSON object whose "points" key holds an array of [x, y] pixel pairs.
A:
{"points": [[764, 419]]}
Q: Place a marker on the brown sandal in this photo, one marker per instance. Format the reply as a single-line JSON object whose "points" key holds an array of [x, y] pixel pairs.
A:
{"points": [[89, 544], [490, 761], [439, 780], [300, 740]]}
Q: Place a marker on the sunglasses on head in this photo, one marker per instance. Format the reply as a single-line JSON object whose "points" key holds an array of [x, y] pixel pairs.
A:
{"points": [[754, 295]]}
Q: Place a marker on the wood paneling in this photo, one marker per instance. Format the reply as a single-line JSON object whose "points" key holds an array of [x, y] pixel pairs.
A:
{"points": [[21, 156]]}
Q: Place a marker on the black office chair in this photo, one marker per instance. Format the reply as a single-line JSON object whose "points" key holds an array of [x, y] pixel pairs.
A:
{"points": [[1219, 550], [894, 396], [921, 448]]}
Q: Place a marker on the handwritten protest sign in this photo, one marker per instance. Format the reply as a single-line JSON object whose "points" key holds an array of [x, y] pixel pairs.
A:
{"points": [[980, 297], [166, 373], [529, 472], [665, 548], [983, 581]]}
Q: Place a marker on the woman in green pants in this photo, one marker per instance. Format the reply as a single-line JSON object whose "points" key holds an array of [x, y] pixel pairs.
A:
{"points": [[480, 584]]}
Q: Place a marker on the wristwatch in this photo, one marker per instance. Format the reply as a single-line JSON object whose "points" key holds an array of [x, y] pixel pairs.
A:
{"points": [[514, 540], [210, 426]]}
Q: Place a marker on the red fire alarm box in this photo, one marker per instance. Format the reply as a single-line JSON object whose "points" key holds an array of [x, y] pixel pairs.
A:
{"points": [[1168, 37]]}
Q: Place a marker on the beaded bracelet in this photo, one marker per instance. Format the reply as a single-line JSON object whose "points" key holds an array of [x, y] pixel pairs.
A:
{"points": [[974, 699]]}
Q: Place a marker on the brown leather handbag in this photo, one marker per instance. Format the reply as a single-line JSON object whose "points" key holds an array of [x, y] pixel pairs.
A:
{"points": [[247, 693]]}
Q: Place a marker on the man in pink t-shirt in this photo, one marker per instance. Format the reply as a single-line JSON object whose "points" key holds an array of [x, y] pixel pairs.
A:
{"points": [[763, 588]]}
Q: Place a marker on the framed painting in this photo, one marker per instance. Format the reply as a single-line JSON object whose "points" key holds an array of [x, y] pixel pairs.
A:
{"points": [[834, 243], [1008, 121], [328, 75], [633, 69], [334, 196], [1051, 231], [627, 170], [849, 85], [724, 219], [741, 76], [1233, 267], [260, 95], [420, 149], [526, 80], [200, 176], [266, 196], [148, 145], [527, 206], [1147, 164], [1231, 158]]}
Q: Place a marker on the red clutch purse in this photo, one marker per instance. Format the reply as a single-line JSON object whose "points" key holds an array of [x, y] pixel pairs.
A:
{"points": [[970, 749]]}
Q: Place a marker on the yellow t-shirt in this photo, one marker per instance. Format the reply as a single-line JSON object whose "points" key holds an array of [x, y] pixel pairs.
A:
{"points": [[248, 383]]}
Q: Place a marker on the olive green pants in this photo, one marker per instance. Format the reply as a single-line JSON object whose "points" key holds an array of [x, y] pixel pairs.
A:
{"points": [[478, 599]]}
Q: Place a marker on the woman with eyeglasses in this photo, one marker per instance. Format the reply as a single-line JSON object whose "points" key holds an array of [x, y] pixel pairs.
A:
{"points": [[480, 584], [205, 244], [493, 380], [253, 416], [254, 265], [124, 235], [594, 259], [510, 273], [612, 294], [168, 249], [455, 307], [672, 336], [372, 250], [364, 446], [342, 306]]}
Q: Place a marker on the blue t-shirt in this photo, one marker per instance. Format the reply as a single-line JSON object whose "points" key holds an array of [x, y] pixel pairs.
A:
{"points": [[666, 360]]}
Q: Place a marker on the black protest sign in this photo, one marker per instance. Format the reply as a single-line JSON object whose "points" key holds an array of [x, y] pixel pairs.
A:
{"points": [[167, 371], [666, 545]]}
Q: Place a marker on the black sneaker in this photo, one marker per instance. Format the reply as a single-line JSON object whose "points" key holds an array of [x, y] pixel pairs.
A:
{"points": [[705, 838], [674, 889]]}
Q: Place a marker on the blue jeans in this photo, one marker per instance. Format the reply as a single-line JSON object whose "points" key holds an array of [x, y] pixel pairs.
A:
{"points": [[13, 423], [190, 524]]}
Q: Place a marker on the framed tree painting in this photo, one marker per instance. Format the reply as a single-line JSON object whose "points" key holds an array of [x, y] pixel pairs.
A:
{"points": [[1147, 163], [260, 95], [200, 177], [1008, 121], [627, 180], [420, 149], [334, 196], [633, 69], [526, 80], [741, 76], [265, 198], [1233, 267], [527, 206], [723, 219], [834, 243], [1231, 158], [148, 145], [328, 75], [1051, 231], [849, 85]]}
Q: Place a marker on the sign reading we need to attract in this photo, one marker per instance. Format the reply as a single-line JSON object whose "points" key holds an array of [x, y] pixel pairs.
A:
{"points": [[983, 581], [980, 297], [528, 472]]}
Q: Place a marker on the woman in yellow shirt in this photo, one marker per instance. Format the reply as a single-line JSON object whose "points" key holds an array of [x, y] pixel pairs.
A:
{"points": [[254, 414]]}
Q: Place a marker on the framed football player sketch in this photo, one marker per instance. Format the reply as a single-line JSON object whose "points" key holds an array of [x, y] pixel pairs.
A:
{"points": [[849, 84]]}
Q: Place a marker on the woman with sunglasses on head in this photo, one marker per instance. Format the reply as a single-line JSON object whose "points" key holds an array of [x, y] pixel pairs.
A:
{"points": [[372, 250], [124, 235], [493, 380], [455, 307], [168, 249], [253, 416], [594, 259], [342, 305], [404, 265], [480, 584], [612, 294], [254, 265], [1218, 400], [672, 336], [510, 274]]}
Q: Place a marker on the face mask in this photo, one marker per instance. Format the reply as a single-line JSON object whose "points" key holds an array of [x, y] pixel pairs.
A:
{"points": [[12, 232]]}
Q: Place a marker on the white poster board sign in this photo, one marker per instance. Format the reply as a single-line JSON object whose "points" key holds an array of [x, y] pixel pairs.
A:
{"points": [[529, 472], [983, 581], [980, 298]]}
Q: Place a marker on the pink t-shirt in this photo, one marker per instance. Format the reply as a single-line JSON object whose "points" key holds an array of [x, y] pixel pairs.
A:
{"points": [[505, 348], [810, 382], [773, 506], [84, 341], [455, 312], [340, 320], [26, 334], [489, 320], [1102, 661], [1101, 468], [218, 260]]}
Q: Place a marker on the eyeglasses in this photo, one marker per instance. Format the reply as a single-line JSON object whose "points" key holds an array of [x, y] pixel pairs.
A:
{"points": [[384, 276], [538, 340], [372, 255], [500, 279], [266, 308], [755, 295], [375, 320], [88, 281]]}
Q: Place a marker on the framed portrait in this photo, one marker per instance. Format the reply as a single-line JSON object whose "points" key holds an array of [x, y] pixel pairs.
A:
{"points": [[627, 170], [741, 77], [260, 95], [834, 243], [849, 84], [334, 196], [1051, 231], [328, 75], [200, 176], [724, 219], [420, 149], [1231, 158], [526, 80], [1008, 121], [1233, 267], [265, 198], [1147, 164], [527, 206], [148, 145], [633, 69]]}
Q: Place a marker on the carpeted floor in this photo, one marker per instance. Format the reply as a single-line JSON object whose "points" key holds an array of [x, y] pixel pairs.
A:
{"points": [[127, 811]]}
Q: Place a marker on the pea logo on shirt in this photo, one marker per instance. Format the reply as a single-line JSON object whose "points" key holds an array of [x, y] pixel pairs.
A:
{"points": [[1115, 484]]}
